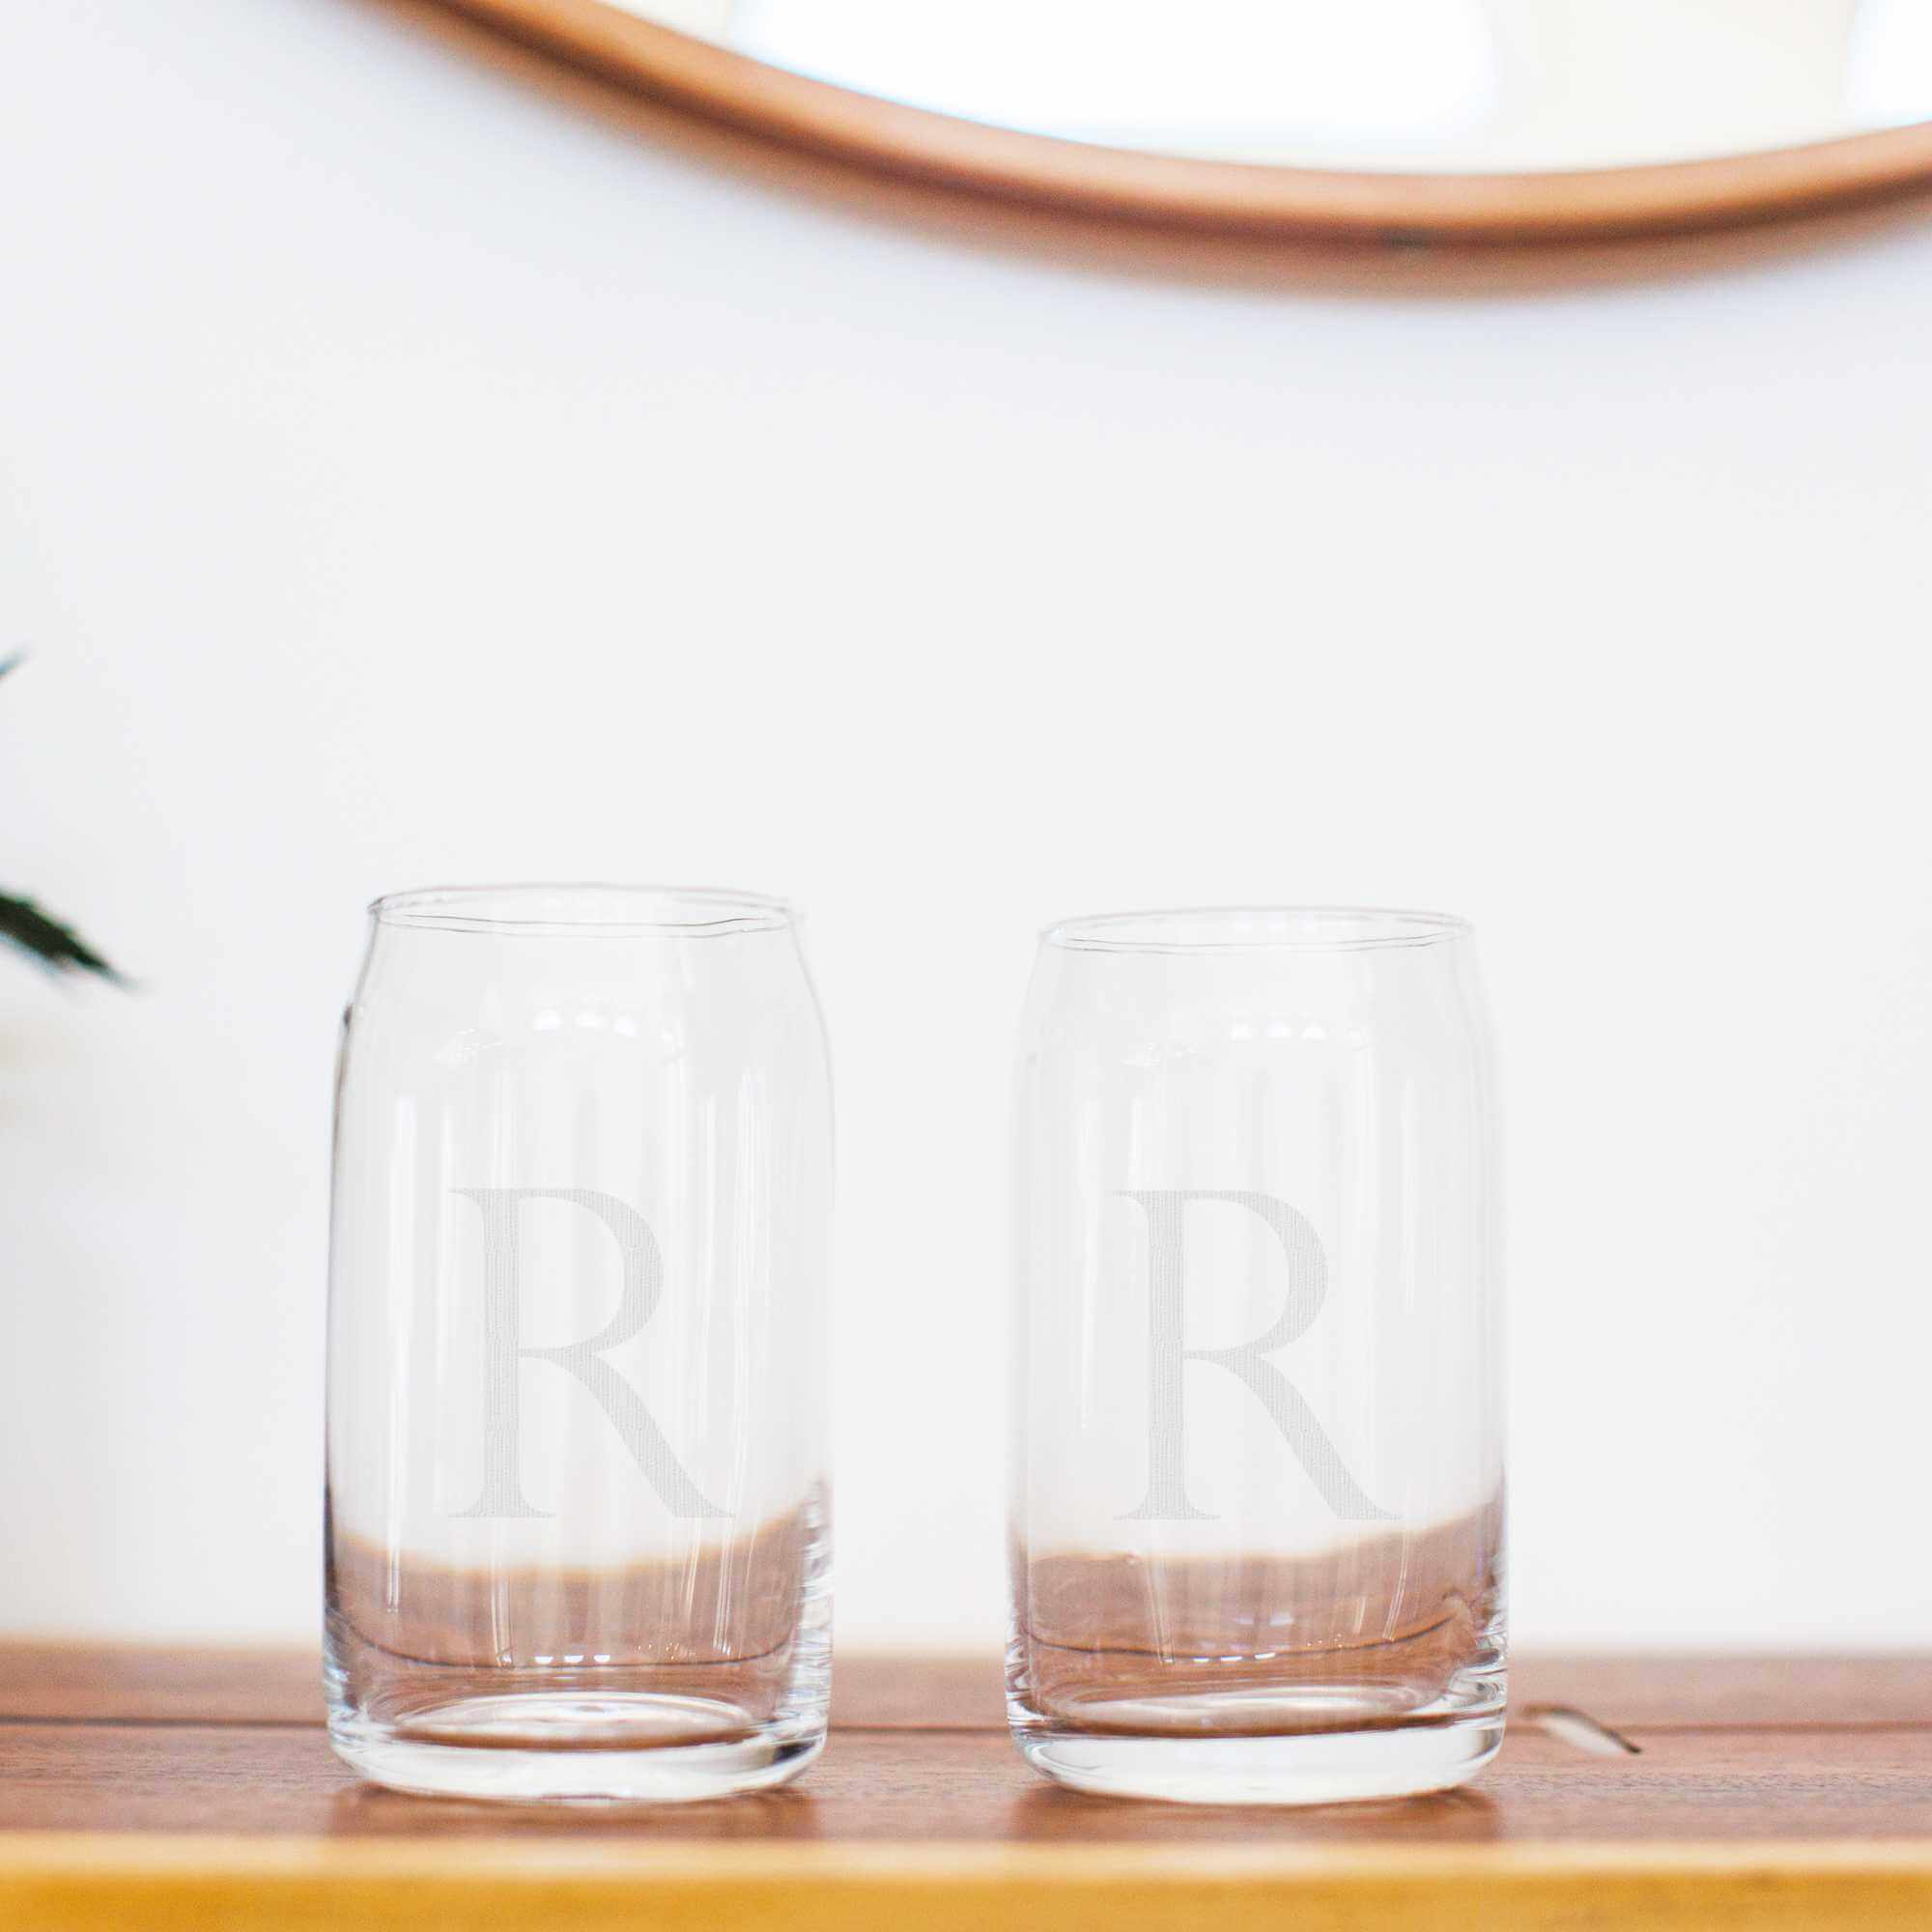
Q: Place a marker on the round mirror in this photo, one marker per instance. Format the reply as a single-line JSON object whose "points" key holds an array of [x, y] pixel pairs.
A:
{"points": [[1511, 117]]}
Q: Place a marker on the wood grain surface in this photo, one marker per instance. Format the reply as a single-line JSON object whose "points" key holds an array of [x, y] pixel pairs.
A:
{"points": [[176, 1788]]}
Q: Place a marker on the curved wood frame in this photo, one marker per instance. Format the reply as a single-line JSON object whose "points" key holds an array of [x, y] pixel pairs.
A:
{"points": [[1225, 196]]}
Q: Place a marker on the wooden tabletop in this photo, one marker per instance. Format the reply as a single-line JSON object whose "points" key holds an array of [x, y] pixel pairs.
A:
{"points": [[196, 1789]]}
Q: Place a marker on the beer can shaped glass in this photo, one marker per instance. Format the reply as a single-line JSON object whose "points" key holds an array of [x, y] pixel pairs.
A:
{"points": [[1256, 1489], [577, 1540]]}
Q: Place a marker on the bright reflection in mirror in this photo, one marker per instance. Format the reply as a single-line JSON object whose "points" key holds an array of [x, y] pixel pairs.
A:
{"points": [[1434, 86]]}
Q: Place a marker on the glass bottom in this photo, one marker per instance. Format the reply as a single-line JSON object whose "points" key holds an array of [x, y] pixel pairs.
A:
{"points": [[614, 1749], [1329, 1767]]}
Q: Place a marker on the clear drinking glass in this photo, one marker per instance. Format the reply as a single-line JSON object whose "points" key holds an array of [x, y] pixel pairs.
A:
{"points": [[577, 1505], [1256, 1489]]}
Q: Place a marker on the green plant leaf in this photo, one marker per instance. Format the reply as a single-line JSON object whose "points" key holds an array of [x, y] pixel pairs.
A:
{"points": [[58, 948]]}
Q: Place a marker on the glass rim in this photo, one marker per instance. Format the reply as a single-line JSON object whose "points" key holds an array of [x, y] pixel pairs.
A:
{"points": [[1285, 928], [586, 908]]}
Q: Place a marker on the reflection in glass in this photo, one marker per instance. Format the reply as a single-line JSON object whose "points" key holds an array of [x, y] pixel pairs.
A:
{"points": [[1426, 86], [576, 1518], [1257, 1484]]}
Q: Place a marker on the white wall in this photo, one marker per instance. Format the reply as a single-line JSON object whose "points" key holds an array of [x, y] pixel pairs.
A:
{"points": [[409, 479]]}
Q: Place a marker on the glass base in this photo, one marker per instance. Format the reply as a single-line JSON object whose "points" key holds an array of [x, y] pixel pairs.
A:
{"points": [[1317, 1768], [621, 1748]]}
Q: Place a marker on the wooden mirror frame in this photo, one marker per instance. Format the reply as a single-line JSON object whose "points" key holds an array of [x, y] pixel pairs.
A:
{"points": [[1230, 196]]}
